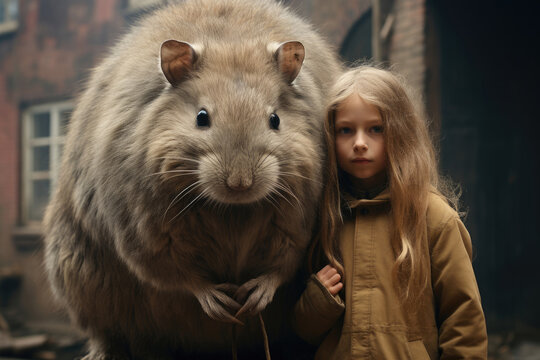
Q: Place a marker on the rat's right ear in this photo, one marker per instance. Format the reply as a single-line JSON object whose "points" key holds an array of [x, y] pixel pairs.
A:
{"points": [[290, 57], [177, 59]]}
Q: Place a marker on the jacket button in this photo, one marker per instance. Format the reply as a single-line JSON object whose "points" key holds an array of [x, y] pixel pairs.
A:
{"points": [[364, 211]]}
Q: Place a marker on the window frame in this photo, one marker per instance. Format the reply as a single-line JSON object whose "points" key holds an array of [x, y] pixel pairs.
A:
{"points": [[55, 140], [7, 24], [137, 5]]}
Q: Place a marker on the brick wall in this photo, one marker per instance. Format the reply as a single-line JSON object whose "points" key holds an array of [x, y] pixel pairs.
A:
{"points": [[8, 169], [45, 60], [407, 43]]}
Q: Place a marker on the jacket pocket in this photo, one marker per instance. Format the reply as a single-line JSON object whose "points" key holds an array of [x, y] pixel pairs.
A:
{"points": [[418, 350]]}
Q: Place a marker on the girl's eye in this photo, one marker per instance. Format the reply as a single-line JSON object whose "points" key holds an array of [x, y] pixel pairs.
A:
{"points": [[344, 130], [203, 119], [274, 121], [377, 129]]}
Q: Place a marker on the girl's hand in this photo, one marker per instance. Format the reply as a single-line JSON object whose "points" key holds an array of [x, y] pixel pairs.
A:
{"points": [[331, 279]]}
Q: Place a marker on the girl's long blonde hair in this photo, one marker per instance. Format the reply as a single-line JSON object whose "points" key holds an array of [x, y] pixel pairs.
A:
{"points": [[411, 171]]}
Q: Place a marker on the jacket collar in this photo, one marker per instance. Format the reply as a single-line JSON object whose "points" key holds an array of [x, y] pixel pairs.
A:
{"points": [[353, 202]]}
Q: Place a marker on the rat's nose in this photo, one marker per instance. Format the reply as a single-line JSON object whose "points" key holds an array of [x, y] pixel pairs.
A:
{"points": [[237, 182]]}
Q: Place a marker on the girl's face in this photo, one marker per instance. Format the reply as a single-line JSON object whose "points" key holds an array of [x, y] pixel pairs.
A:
{"points": [[360, 146]]}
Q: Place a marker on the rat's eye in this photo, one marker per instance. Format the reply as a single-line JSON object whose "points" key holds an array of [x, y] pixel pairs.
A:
{"points": [[274, 121], [203, 119]]}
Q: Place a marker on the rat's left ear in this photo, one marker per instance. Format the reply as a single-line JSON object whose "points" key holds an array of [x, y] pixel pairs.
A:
{"points": [[289, 57]]}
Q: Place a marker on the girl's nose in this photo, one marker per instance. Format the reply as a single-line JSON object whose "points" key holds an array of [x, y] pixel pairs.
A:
{"points": [[360, 143]]}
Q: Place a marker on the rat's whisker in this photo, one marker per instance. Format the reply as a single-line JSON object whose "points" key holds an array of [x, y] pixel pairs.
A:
{"points": [[301, 176], [178, 171], [187, 206], [288, 191], [179, 197]]}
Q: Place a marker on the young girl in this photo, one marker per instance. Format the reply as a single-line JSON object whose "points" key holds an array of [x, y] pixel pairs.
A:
{"points": [[405, 256]]}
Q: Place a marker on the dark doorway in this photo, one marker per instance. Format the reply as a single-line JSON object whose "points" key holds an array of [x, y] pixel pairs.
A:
{"points": [[482, 88], [357, 45]]}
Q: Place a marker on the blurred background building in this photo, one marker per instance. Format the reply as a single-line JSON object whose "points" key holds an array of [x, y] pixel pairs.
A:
{"points": [[474, 62]]}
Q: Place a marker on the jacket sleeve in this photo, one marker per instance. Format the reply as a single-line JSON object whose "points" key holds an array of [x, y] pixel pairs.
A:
{"points": [[316, 312], [462, 327]]}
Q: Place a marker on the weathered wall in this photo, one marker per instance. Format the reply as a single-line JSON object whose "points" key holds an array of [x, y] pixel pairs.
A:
{"points": [[45, 60], [407, 43], [333, 19]]}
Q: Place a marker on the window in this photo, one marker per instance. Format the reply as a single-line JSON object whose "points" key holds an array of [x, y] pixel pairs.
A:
{"points": [[44, 128], [9, 14], [141, 4]]}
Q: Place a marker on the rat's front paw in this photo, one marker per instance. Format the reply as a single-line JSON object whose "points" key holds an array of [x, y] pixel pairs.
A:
{"points": [[259, 293], [216, 301]]}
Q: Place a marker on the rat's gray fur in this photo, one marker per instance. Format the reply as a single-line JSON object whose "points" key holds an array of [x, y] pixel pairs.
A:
{"points": [[145, 243]]}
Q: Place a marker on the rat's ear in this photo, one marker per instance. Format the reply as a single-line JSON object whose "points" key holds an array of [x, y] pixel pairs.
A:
{"points": [[177, 59], [289, 56]]}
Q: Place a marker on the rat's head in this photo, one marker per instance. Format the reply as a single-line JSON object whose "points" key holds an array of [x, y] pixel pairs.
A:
{"points": [[233, 128]]}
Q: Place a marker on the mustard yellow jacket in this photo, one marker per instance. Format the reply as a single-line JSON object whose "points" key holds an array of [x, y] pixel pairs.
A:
{"points": [[448, 321]]}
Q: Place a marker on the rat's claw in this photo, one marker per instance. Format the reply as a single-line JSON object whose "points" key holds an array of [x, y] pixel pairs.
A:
{"points": [[259, 293], [227, 288], [215, 303]]}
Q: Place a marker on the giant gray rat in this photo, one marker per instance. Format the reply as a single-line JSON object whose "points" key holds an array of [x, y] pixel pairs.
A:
{"points": [[190, 179]]}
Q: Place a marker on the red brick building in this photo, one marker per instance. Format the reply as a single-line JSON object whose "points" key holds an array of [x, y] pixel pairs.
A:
{"points": [[452, 52], [45, 56]]}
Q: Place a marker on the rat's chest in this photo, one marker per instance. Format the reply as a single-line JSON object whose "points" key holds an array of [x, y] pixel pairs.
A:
{"points": [[224, 246]]}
